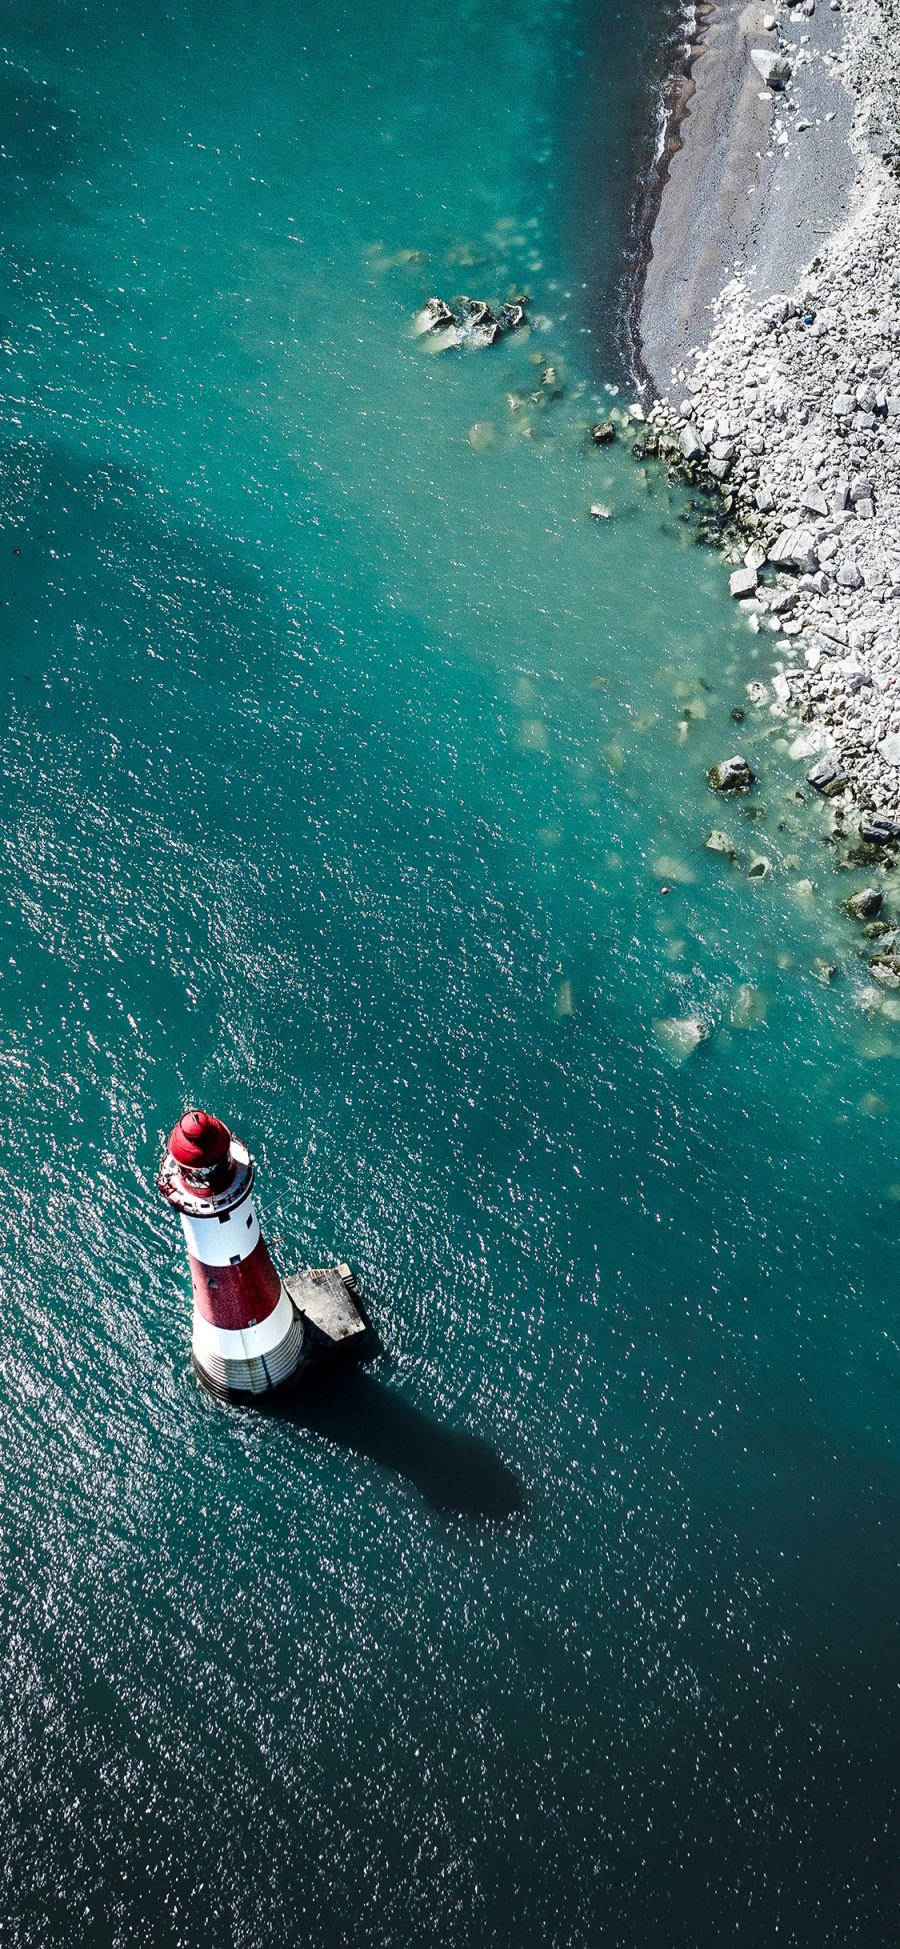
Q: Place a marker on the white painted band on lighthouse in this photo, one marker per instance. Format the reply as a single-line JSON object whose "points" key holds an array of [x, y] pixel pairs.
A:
{"points": [[223, 1236], [247, 1343]]}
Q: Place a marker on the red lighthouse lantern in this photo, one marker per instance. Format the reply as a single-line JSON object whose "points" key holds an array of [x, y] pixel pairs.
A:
{"points": [[248, 1333]]}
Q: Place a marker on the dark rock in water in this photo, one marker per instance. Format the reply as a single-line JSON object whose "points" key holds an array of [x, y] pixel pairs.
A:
{"points": [[737, 715], [879, 829], [827, 776], [603, 433], [865, 904], [474, 312], [477, 324], [474, 323], [435, 316], [732, 775]]}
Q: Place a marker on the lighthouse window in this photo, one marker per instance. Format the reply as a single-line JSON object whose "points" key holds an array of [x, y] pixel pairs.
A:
{"points": [[223, 1217], [236, 1260], [249, 1221]]}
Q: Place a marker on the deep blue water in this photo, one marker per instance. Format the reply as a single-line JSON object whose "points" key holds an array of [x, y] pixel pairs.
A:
{"points": [[344, 761]]}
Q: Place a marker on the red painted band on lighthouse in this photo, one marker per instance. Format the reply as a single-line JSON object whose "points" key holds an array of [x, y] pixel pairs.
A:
{"points": [[236, 1296]]}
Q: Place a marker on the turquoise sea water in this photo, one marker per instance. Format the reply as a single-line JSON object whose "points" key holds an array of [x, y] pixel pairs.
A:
{"points": [[344, 762]]}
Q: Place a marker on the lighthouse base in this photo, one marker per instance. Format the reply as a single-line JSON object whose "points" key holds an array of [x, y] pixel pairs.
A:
{"points": [[323, 1321]]}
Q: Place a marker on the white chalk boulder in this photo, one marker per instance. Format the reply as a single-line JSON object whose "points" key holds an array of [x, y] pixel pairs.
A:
{"points": [[813, 499], [775, 70], [691, 445], [795, 548]]}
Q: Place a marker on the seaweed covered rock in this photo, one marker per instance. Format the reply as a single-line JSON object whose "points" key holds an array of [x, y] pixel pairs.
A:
{"points": [[732, 775], [864, 905], [827, 776]]}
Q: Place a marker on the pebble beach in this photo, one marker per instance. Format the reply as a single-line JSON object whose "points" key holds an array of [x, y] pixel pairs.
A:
{"points": [[770, 336]]}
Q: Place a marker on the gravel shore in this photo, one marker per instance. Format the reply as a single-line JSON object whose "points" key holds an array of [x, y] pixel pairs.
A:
{"points": [[770, 329]]}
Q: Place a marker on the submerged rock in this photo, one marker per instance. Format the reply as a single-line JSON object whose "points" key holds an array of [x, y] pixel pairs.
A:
{"points": [[675, 870], [719, 842], [480, 335], [678, 1036], [748, 1009], [732, 775]]}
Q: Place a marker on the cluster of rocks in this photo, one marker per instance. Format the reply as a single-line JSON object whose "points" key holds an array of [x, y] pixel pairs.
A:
{"points": [[792, 413], [473, 322]]}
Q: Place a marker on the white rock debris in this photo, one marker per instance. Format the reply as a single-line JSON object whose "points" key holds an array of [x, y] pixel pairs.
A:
{"points": [[794, 407]]}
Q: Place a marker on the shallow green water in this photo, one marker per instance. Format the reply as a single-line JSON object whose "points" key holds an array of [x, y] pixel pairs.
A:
{"points": [[345, 760]]}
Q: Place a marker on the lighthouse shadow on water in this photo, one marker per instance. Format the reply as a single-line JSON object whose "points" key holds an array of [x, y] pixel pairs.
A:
{"points": [[457, 1473]]}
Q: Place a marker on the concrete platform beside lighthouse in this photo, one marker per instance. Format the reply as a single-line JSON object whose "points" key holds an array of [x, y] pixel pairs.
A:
{"points": [[328, 1300]]}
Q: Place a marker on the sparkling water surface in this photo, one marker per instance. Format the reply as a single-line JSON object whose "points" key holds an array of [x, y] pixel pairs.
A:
{"points": [[345, 762]]}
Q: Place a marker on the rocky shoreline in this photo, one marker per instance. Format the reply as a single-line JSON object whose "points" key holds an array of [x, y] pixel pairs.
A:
{"points": [[788, 400]]}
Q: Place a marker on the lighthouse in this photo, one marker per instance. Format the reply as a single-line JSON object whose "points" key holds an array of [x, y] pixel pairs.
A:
{"points": [[253, 1331], [248, 1334]]}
